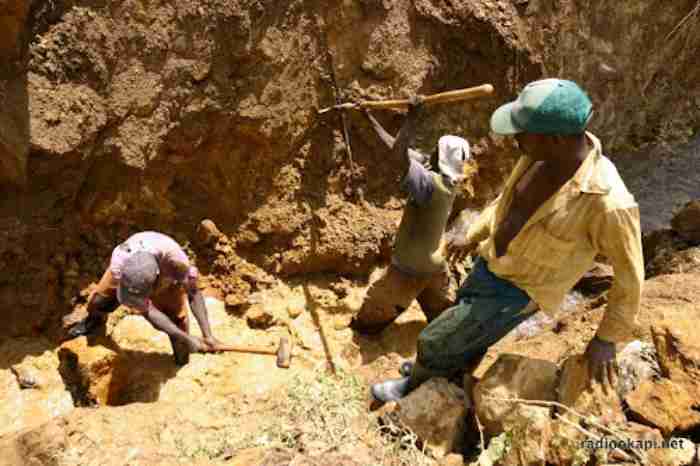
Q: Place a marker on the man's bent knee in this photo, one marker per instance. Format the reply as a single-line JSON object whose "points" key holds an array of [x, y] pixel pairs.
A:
{"points": [[103, 304]]}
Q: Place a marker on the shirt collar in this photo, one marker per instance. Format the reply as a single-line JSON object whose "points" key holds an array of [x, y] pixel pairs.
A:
{"points": [[591, 175]]}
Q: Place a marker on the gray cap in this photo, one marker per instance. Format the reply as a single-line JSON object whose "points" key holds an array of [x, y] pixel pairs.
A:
{"points": [[138, 278]]}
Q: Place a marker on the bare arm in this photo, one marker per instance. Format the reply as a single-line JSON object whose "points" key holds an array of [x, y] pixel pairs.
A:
{"points": [[163, 323], [389, 140], [407, 133]]}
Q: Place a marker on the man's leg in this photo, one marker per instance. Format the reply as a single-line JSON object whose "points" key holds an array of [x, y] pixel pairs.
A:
{"points": [[488, 308], [387, 297], [440, 293], [101, 302]]}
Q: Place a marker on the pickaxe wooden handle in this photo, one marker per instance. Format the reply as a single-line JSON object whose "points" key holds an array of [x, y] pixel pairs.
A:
{"points": [[283, 351], [441, 98]]}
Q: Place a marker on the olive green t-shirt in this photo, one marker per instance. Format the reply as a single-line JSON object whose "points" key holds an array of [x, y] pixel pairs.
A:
{"points": [[417, 247]]}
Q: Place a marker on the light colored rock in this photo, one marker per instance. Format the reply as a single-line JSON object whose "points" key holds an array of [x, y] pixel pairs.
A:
{"points": [[664, 404], [497, 449], [680, 452], [259, 317], [151, 433], [530, 429], [435, 412], [575, 391], [678, 349], [25, 360], [512, 376], [565, 446], [637, 362], [453, 459]]}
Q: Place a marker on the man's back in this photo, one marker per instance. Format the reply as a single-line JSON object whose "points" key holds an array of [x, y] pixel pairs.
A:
{"points": [[417, 246]]}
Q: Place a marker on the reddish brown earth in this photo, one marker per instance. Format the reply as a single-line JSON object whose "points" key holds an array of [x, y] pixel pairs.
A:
{"points": [[127, 115]]}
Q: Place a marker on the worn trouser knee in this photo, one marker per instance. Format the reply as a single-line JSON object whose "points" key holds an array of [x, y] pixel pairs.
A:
{"points": [[102, 304]]}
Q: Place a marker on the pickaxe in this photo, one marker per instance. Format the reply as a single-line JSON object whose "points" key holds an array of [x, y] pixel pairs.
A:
{"points": [[441, 98], [283, 352]]}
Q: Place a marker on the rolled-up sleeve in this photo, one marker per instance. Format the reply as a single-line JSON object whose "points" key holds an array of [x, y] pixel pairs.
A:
{"points": [[480, 229], [616, 234]]}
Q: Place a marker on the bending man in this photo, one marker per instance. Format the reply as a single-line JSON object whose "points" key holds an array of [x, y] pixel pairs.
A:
{"points": [[151, 274], [418, 269], [563, 204]]}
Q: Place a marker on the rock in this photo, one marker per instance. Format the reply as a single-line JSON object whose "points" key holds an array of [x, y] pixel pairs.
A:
{"points": [[512, 376], [90, 371], [680, 452], [453, 459], [141, 433], [574, 390], [637, 362], [497, 449], [664, 404], [596, 280], [259, 317], [674, 261], [31, 388], [435, 412], [531, 431], [687, 221], [566, 447], [207, 232], [675, 338]]}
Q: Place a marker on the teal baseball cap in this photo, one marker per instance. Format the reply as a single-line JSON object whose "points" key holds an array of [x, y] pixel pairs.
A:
{"points": [[548, 106]]}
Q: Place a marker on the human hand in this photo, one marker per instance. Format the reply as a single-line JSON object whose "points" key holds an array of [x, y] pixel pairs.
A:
{"points": [[212, 344], [458, 249], [416, 105], [601, 360]]}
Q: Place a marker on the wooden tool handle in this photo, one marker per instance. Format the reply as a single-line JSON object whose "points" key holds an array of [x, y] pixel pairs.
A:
{"points": [[246, 349], [441, 98]]}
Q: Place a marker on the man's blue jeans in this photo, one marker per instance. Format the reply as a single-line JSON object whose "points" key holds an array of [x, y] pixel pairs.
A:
{"points": [[487, 309]]}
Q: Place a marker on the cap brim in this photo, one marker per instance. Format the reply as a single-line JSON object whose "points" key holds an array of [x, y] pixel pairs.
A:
{"points": [[502, 122], [131, 300]]}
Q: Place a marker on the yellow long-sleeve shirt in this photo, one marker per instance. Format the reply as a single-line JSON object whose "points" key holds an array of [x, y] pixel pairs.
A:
{"points": [[593, 213]]}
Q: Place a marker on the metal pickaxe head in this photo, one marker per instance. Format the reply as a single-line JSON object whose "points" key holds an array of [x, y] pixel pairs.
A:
{"points": [[284, 353]]}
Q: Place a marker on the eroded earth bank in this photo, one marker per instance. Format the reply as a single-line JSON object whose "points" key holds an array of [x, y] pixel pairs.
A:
{"points": [[121, 116]]}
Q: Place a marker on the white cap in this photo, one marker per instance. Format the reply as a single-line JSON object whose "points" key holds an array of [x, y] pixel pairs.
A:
{"points": [[453, 153]]}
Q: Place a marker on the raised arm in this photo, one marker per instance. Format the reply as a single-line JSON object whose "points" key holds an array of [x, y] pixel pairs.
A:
{"points": [[389, 140], [407, 133]]}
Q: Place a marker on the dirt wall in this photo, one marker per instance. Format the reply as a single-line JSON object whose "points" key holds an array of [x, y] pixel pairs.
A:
{"points": [[157, 114]]}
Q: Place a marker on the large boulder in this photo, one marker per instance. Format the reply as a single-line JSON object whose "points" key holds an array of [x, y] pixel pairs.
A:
{"points": [[575, 391], [512, 376], [664, 404], [435, 413], [675, 338]]}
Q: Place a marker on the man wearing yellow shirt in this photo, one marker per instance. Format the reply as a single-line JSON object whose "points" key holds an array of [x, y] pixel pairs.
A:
{"points": [[563, 204]]}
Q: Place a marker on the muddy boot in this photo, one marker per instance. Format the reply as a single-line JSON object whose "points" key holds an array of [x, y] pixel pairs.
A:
{"points": [[395, 389], [181, 352]]}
